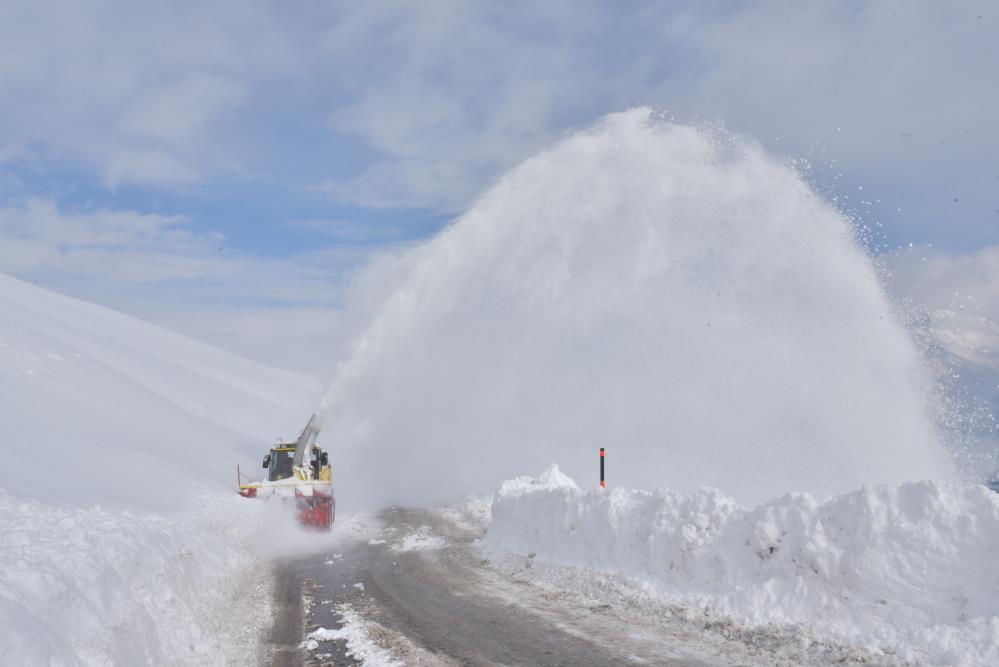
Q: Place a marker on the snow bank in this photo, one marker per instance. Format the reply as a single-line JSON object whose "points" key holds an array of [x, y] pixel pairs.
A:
{"points": [[92, 586], [911, 570]]}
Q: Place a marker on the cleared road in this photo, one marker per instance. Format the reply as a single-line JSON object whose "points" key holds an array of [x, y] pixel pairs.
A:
{"points": [[429, 598]]}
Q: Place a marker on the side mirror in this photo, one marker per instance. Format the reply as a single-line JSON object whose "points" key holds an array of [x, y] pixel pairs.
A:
{"points": [[325, 459], [267, 460]]}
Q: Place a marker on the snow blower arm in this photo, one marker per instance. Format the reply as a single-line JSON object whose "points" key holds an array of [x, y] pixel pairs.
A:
{"points": [[305, 441]]}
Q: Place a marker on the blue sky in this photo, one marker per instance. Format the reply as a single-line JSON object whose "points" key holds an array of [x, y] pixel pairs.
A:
{"points": [[222, 167]]}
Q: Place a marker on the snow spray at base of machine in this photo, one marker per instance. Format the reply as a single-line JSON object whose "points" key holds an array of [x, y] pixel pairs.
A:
{"points": [[671, 293]]}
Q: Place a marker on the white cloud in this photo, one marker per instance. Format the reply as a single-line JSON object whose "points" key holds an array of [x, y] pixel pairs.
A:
{"points": [[909, 76], [451, 94], [146, 167], [446, 185], [178, 112], [133, 92], [41, 220], [351, 231]]}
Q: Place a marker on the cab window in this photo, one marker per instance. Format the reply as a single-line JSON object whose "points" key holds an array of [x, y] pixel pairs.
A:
{"points": [[280, 467]]}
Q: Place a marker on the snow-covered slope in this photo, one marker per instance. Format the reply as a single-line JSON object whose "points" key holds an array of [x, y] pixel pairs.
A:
{"points": [[123, 541], [909, 571], [98, 407]]}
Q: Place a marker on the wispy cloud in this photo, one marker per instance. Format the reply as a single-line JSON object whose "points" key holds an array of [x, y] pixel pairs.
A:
{"points": [[41, 220], [352, 232], [138, 95], [122, 248]]}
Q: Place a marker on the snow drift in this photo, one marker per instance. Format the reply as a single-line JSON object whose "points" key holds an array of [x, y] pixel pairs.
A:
{"points": [[105, 419], [671, 293], [910, 570]]}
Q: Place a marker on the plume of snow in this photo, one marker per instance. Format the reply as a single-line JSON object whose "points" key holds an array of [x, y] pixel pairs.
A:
{"points": [[669, 292]]}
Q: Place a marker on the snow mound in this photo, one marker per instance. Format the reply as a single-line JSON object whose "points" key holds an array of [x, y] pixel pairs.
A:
{"points": [[550, 480], [91, 586], [911, 570]]}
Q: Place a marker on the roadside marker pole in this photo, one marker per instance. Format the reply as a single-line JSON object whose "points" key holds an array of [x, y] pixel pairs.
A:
{"points": [[603, 485]]}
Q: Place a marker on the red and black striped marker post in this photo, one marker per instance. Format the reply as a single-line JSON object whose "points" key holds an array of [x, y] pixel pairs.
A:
{"points": [[603, 485]]}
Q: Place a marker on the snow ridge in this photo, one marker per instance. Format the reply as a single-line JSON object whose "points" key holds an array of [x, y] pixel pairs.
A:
{"points": [[910, 570]]}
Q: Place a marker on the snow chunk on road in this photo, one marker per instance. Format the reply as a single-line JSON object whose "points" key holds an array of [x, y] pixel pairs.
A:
{"points": [[355, 633], [419, 540], [911, 570]]}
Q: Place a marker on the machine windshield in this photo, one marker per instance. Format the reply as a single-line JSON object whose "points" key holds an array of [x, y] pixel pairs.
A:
{"points": [[280, 466]]}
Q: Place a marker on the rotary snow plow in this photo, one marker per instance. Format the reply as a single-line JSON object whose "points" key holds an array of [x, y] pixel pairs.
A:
{"points": [[298, 471]]}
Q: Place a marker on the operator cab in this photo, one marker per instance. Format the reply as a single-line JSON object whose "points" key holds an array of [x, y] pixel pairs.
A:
{"points": [[279, 463]]}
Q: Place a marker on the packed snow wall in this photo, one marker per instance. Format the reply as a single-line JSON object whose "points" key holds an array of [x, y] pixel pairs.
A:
{"points": [[670, 293], [907, 571]]}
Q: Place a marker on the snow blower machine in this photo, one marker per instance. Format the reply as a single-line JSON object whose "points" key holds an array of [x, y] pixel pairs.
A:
{"points": [[298, 471]]}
